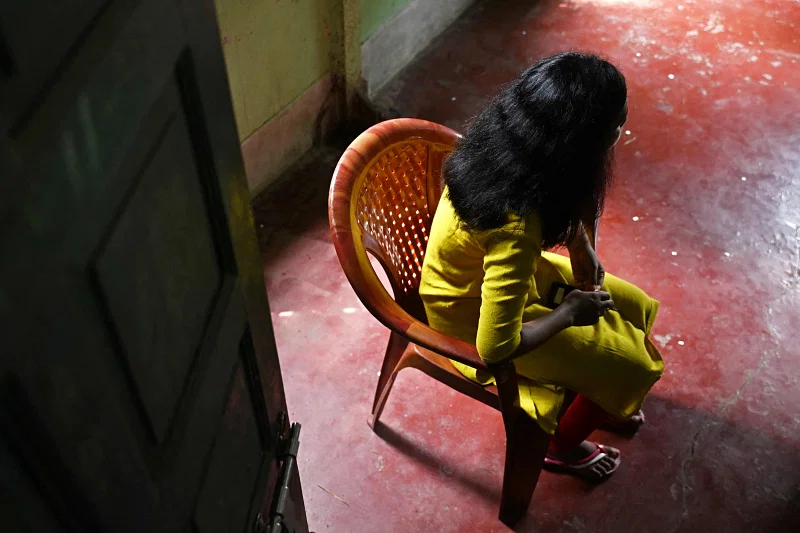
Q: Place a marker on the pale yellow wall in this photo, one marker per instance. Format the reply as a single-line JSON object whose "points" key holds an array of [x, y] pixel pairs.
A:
{"points": [[274, 50]]}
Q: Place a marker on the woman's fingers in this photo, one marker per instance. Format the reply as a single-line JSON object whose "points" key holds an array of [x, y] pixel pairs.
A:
{"points": [[603, 295], [605, 305]]}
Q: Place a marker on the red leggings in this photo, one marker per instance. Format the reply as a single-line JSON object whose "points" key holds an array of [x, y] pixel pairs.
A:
{"points": [[582, 417]]}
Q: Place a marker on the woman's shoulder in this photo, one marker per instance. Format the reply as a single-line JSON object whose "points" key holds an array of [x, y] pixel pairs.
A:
{"points": [[515, 228], [518, 228]]}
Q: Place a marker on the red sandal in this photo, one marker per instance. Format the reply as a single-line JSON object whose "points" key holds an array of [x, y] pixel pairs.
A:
{"points": [[584, 467]]}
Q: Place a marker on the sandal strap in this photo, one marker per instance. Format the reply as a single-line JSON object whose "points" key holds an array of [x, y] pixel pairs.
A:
{"points": [[598, 455]]}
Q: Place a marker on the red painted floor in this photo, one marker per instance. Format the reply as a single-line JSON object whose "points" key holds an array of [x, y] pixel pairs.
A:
{"points": [[711, 168]]}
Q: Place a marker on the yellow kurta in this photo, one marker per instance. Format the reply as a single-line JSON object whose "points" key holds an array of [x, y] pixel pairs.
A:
{"points": [[480, 286]]}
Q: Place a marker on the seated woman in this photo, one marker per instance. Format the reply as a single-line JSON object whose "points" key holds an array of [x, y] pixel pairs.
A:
{"points": [[531, 174]]}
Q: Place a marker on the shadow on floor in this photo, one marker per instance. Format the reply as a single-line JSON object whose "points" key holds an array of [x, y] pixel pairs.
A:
{"points": [[434, 463], [708, 463]]}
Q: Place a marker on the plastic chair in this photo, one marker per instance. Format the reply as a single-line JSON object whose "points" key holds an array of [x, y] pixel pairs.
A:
{"points": [[384, 193]]}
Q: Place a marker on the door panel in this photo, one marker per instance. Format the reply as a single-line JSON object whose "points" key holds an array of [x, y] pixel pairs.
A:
{"points": [[140, 384], [158, 271], [35, 37]]}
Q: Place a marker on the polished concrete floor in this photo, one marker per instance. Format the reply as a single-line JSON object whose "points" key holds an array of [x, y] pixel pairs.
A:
{"points": [[704, 215]]}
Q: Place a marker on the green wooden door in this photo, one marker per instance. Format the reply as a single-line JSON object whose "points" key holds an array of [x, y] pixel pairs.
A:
{"points": [[140, 388]]}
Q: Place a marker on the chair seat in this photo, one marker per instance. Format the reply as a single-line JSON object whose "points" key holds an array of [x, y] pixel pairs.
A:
{"points": [[441, 369]]}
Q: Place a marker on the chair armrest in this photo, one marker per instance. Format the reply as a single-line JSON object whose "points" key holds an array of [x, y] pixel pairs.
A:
{"points": [[445, 345], [382, 306], [504, 372]]}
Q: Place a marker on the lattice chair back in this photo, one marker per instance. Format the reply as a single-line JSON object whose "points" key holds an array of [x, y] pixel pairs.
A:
{"points": [[391, 180]]}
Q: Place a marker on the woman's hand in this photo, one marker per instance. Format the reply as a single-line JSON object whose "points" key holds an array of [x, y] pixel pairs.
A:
{"points": [[586, 308], [586, 268]]}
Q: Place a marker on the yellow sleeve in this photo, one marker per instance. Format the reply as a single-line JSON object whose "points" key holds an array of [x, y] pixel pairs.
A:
{"points": [[508, 266]]}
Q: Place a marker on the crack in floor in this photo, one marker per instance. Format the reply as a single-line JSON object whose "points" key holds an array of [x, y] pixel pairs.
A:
{"points": [[725, 406]]}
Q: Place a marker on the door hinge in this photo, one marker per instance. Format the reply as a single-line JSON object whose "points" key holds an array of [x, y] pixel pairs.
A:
{"points": [[282, 509]]}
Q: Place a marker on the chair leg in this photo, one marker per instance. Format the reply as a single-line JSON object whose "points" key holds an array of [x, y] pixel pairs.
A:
{"points": [[394, 351], [526, 446]]}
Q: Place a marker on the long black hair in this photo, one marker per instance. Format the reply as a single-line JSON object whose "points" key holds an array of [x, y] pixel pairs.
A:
{"points": [[544, 144]]}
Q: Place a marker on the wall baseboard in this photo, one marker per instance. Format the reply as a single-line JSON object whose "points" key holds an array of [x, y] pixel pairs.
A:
{"points": [[403, 36], [278, 143]]}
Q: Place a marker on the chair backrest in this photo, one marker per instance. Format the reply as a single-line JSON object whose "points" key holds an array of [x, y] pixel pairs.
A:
{"points": [[383, 196]]}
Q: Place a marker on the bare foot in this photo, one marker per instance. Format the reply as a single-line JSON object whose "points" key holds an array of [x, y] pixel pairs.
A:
{"points": [[593, 462]]}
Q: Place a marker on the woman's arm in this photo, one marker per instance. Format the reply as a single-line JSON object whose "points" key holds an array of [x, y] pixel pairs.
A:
{"points": [[579, 309], [537, 332], [583, 240], [586, 267], [509, 266], [590, 228]]}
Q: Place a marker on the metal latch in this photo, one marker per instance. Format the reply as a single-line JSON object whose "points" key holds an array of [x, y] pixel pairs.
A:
{"points": [[282, 505]]}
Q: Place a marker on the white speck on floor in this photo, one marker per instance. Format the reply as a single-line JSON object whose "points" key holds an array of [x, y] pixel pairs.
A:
{"points": [[663, 340]]}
